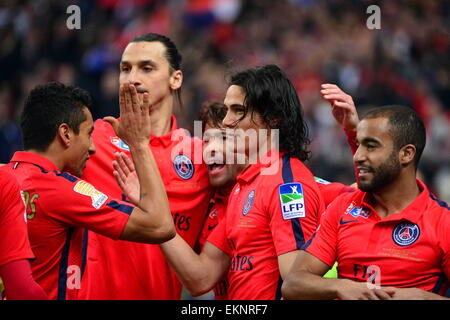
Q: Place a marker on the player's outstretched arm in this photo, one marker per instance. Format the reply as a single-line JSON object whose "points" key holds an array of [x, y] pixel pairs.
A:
{"points": [[305, 281], [151, 221], [343, 110], [199, 273], [342, 106]]}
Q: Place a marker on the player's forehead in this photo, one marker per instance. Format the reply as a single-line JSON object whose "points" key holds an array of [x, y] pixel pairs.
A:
{"points": [[374, 128], [235, 96], [137, 52]]}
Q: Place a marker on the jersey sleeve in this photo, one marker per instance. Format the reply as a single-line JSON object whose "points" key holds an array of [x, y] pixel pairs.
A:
{"points": [[323, 244], [14, 243], [86, 207], [294, 216], [332, 190], [219, 239]]}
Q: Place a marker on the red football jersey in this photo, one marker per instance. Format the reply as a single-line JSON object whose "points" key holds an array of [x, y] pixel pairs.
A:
{"points": [[127, 270], [58, 207], [410, 248], [14, 244], [331, 190], [216, 214], [267, 215]]}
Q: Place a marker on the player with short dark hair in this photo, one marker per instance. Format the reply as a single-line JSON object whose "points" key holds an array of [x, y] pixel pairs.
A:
{"points": [[390, 237], [152, 64], [43, 117], [60, 205]]}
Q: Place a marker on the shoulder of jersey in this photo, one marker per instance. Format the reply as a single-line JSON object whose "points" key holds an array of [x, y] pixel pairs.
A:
{"points": [[102, 126]]}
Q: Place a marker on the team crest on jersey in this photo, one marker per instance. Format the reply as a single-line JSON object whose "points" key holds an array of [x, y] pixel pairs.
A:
{"points": [[248, 203], [292, 200], [98, 198], [183, 166], [119, 143], [405, 233]]}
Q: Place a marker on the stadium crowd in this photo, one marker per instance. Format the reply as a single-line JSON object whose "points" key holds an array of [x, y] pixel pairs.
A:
{"points": [[405, 62]]}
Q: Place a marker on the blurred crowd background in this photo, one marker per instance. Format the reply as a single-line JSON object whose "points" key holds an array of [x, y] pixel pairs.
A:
{"points": [[313, 41]]}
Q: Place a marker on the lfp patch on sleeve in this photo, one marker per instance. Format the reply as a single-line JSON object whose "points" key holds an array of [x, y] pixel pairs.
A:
{"points": [[292, 200], [98, 198]]}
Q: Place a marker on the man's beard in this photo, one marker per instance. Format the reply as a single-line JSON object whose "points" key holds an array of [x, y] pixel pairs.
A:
{"points": [[383, 175]]}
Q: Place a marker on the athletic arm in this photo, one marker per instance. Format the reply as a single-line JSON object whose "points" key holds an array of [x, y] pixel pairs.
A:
{"points": [[343, 110], [305, 281], [151, 221], [199, 273], [19, 283]]}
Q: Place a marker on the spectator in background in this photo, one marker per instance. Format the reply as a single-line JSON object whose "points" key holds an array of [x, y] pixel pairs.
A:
{"points": [[320, 41], [314, 41]]}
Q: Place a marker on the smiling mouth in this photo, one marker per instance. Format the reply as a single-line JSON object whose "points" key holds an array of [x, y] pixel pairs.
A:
{"points": [[363, 171], [215, 168]]}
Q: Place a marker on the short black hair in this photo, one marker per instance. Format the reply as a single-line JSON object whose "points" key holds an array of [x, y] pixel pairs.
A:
{"points": [[213, 113], [172, 55], [405, 127], [270, 93], [46, 108]]}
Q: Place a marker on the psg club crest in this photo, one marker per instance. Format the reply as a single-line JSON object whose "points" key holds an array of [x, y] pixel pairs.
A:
{"points": [[405, 233], [248, 202], [183, 166]]}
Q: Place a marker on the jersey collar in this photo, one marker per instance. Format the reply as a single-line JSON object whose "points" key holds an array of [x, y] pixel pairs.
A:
{"points": [[253, 170], [412, 212], [220, 197], [34, 158], [166, 139]]}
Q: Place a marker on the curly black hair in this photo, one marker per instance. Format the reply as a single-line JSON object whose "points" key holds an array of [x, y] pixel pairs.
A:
{"points": [[270, 93], [46, 108]]}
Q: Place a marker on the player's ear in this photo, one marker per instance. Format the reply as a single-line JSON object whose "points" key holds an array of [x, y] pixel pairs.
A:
{"points": [[407, 154], [64, 134], [176, 80]]}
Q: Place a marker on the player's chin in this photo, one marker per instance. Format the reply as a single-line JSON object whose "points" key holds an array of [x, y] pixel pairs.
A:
{"points": [[78, 172], [364, 186], [218, 180]]}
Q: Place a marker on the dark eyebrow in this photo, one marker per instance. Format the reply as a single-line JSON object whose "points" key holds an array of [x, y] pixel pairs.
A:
{"points": [[237, 105], [140, 62], [371, 140]]}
